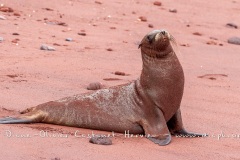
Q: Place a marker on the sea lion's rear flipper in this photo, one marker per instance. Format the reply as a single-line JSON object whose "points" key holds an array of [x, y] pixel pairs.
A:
{"points": [[29, 115], [15, 120], [156, 130], [175, 125]]}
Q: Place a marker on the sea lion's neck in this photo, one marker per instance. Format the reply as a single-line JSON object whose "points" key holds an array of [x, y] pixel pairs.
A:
{"points": [[163, 75]]}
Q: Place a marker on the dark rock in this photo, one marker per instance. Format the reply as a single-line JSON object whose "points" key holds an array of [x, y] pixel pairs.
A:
{"points": [[232, 25], [100, 140], [143, 19], [69, 39], [150, 25], [173, 10], [234, 40], [94, 86], [157, 3]]}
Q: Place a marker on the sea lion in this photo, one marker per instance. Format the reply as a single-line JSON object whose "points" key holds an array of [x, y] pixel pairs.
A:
{"points": [[149, 105]]}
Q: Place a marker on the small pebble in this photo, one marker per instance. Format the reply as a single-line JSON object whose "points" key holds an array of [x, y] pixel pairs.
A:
{"points": [[111, 79], [56, 44], [98, 2], [15, 40], [6, 9], [143, 19], [16, 34], [211, 43], [112, 27], [100, 140], [213, 38], [48, 9], [69, 39], [47, 48], [16, 14], [232, 25], [150, 25], [94, 86], [1, 39], [185, 45], [197, 34], [2, 17], [109, 49], [82, 34], [234, 40], [173, 10], [120, 73], [157, 3]]}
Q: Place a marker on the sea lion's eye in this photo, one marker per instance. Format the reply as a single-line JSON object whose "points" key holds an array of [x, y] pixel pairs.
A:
{"points": [[163, 33], [150, 38]]}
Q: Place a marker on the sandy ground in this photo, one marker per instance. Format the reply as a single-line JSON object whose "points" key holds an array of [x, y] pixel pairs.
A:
{"points": [[30, 76]]}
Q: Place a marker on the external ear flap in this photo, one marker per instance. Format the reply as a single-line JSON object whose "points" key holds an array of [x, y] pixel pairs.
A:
{"points": [[140, 45]]}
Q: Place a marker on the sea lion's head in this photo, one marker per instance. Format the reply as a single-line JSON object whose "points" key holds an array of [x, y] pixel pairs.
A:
{"points": [[157, 44]]}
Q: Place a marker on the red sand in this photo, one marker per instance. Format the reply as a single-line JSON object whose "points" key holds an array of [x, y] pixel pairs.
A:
{"points": [[30, 76]]}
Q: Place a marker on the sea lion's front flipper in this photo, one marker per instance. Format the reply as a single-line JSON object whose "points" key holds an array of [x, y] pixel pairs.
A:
{"points": [[156, 129], [175, 125], [14, 120]]}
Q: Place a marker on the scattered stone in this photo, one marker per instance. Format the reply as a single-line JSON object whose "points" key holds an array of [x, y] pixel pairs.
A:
{"points": [[112, 27], [197, 34], [157, 3], [54, 22], [56, 44], [6, 9], [82, 34], [56, 158], [16, 14], [67, 30], [188, 25], [150, 25], [16, 34], [48, 9], [213, 38], [47, 48], [1, 39], [234, 40], [213, 76], [120, 73], [98, 2], [109, 49], [69, 39], [2, 17], [111, 79], [94, 86], [15, 40], [212, 43], [133, 12], [185, 45], [232, 25], [142, 18], [173, 10], [220, 44], [12, 75], [100, 140], [87, 48]]}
